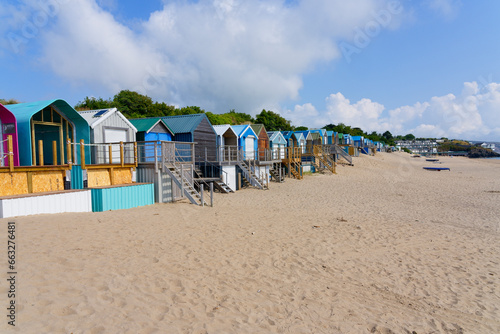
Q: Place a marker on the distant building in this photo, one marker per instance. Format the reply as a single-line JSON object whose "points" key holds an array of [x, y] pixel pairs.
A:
{"points": [[418, 146]]}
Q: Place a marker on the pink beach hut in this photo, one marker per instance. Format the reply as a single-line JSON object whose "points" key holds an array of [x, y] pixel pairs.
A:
{"points": [[8, 127]]}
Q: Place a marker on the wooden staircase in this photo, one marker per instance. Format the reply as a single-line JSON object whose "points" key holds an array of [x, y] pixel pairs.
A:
{"points": [[296, 170], [222, 187], [275, 173], [187, 187], [249, 176], [323, 160], [343, 154]]}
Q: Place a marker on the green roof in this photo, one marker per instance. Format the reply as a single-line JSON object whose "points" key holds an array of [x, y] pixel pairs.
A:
{"points": [[146, 124], [184, 123], [257, 128]]}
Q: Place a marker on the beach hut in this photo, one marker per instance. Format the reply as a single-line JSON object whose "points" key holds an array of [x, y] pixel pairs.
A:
{"points": [[152, 129], [277, 144], [109, 126], [8, 127], [42, 123], [301, 141], [262, 141], [227, 143], [227, 154], [195, 128], [322, 138], [330, 135], [247, 140], [291, 140], [358, 141]]}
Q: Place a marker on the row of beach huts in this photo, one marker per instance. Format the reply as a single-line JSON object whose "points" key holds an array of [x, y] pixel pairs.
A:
{"points": [[56, 159]]}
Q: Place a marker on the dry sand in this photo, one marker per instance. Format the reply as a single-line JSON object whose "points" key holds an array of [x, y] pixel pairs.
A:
{"points": [[381, 247]]}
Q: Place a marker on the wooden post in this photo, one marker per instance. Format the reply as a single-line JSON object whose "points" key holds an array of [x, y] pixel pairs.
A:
{"points": [[110, 153], [68, 150], [40, 152], [135, 155], [122, 157], [30, 182], [82, 154], [112, 176], [10, 148], [212, 194], [155, 155], [61, 145], [239, 180], [33, 143], [201, 194], [182, 180], [54, 152]]}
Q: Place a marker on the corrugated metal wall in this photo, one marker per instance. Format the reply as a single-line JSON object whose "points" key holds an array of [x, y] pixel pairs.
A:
{"points": [[162, 183], [73, 201], [126, 197], [113, 121]]}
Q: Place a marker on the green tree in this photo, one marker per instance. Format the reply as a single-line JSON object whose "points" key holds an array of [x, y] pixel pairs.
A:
{"points": [[132, 104], [9, 101], [301, 128], [91, 103], [273, 121], [387, 135], [409, 137]]}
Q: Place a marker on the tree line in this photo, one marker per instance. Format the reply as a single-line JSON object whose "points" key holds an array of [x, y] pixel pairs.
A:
{"points": [[134, 105]]}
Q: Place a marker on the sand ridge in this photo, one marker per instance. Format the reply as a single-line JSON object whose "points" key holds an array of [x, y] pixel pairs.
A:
{"points": [[381, 247]]}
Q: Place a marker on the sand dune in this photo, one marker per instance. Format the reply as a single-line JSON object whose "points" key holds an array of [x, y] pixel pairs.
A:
{"points": [[381, 247]]}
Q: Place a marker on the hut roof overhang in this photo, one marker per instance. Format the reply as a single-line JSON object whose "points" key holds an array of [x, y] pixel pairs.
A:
{"points": [[25, 111]]}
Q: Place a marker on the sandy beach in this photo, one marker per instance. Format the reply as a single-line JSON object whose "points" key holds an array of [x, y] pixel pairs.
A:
{"points": [[380, 247]]}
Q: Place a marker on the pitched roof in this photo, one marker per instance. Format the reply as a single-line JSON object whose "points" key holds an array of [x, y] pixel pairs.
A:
{"points": [[257, 128], [276, 136], [241, 129], [95, 117], [147, 124], [222, 129], [184, 123]]}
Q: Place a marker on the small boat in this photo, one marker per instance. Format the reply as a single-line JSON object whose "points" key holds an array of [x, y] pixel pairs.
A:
{"points": [[432, 160], [436, 168]]}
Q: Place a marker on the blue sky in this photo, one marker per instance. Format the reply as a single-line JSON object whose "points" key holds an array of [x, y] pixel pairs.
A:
{"points": [[430, 67]]}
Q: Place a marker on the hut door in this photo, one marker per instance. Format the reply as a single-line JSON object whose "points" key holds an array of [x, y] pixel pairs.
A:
{"points": [[249, 147], [1, 145], [115, 136]]}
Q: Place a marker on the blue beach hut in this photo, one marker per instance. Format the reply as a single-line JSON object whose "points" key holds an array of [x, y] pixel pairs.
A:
{"points": [[247, 140], [48, 121], [277, 144]]}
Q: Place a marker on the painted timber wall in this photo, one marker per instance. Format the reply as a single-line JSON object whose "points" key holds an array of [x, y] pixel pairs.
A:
{"points": [[8, 127], [122, 197], [52, 202]]}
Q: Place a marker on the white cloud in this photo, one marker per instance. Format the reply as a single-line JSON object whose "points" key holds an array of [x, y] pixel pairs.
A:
{"points": [[220, 54], [471, 115]]}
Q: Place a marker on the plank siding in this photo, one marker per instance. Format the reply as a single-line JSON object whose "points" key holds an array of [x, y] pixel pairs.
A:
{"points": [[206, 142]]}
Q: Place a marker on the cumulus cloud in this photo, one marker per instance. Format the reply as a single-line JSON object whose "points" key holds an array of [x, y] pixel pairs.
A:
{"points": [[219, 54], [471, 115]]}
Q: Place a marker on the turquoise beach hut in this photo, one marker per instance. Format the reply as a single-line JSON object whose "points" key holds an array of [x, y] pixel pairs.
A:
{"points": [[48, 121]]}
